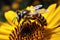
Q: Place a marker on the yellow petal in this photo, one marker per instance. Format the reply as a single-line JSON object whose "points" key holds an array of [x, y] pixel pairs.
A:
{"points": [[5, 31], [11, 17], [53, 15], [6, 26], [4, 37], [56, 35], [54, 18], [49, 11]]}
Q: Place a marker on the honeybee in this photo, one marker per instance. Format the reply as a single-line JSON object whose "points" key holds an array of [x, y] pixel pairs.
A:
{"points": [[33, 21], [33, 26]]}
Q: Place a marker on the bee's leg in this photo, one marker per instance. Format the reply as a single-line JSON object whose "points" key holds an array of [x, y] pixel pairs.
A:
{"points": [[23, 22]]}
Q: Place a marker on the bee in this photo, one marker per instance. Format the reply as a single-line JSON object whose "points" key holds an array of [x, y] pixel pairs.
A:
{"points": [[32, 28], [28, 27]]}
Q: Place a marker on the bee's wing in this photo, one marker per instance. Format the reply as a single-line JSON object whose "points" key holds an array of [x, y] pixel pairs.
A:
{"points": [[38, 6], [11, 17]]}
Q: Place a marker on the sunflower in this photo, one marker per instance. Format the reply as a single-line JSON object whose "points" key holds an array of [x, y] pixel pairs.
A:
{"points": [[44, 27]]}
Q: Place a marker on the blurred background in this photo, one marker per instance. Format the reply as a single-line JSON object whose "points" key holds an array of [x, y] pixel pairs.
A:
{"points": [[6, 5]]}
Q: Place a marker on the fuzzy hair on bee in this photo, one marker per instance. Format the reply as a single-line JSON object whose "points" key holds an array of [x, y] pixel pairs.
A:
{"points": [[29, 26]]}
